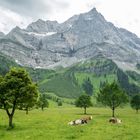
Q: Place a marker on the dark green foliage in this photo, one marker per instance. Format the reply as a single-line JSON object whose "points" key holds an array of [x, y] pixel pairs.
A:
{"points": [[102, 84], [39, 75], [83, 101], [123, 80], [17, 91], [30, 98], [135, 76], [135, 102], [5, 64], [43, 102], [87, 86], [59, 103], [112, 95], [1, 90], [98, 66], [138, 66]]}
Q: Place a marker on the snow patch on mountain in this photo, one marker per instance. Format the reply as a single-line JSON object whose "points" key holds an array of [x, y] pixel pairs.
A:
{"points": [[41, 34]]}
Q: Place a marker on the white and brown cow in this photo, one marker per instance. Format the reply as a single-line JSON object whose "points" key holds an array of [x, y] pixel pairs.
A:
{"points": [[80, 121], [115, 120]]}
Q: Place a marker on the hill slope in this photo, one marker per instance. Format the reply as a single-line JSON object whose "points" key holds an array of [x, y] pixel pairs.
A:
{"points": [[68, 83]]}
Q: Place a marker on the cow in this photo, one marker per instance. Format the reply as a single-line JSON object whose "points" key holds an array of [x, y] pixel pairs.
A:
{"points": [[87, 118], [76, 122], [80, 121], [115, 120]]}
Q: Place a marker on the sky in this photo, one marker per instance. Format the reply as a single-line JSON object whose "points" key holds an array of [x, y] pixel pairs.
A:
{"points": [[122, 13]]}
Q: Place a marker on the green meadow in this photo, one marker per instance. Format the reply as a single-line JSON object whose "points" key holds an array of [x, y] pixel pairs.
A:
{"points": [[66, 84], [52, 124]]}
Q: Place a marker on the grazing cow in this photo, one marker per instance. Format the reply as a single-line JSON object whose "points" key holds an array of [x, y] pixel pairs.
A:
{"points": [[80, 121], [87, 118], [115, 120], [76, 122]]}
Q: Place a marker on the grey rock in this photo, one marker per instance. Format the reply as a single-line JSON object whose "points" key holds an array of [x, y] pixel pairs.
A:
{"points": [[2, 34], [49, 44]]}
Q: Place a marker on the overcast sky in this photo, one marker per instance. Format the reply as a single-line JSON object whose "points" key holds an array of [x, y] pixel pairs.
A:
{"points": [[123, 13]]}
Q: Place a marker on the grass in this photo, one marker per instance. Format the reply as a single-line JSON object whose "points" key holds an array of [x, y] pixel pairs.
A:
{"points": [[51, 124], [62, 85]]}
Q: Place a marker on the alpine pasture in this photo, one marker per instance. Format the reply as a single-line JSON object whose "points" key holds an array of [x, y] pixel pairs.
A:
{"points": [[52, 124]]}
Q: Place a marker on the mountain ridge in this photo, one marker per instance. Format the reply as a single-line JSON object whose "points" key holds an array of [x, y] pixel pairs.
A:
{"points": [[49, 44]]}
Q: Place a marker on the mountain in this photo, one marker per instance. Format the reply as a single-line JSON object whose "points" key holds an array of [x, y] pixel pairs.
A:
{"points": [[67, 82], [5, 63], [49, 44], [1, 34], [41, 26]]}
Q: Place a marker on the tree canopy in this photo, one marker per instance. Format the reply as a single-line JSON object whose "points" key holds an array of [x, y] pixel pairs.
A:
{"points": [[59, 102], [43, 102], [135, 102], [112, 95], [87, 86], [83, 101], [17, 91]]}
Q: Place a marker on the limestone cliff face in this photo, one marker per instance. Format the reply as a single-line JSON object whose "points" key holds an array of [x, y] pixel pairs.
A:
{"points": [[49, 44]]}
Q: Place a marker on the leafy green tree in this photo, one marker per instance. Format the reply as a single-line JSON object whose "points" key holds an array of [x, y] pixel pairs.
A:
{"points": [[87, 86], [83, 101], [135, 102], [17, 89], [123, 81], [31, 99], [113, 96], [43, 102], [59, 103], [1, 82]]}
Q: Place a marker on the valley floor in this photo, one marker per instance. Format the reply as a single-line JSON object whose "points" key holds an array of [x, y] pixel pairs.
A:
{"points": [[51, 124]]}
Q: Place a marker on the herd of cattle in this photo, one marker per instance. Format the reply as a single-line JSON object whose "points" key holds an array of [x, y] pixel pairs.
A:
{"points": [[86, 119]]}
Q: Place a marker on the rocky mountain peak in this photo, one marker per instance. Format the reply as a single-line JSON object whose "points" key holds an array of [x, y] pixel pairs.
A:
{"points": [[17, 28], [93, 11], [49, 44], [41, 26]]}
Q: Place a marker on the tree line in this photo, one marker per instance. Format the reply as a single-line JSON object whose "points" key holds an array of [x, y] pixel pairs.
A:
{"points": [[111, 95]]}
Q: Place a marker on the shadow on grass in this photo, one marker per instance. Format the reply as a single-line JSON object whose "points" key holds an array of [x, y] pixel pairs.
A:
{"points": [[14, 128], [88, 114], [2, 127]]}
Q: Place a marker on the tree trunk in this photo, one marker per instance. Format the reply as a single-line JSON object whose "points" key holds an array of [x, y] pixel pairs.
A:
{"points": [[137, 111], [113, 112], [85, 110], [10, 121], [10, 115], [27, 110], [42, 108]]}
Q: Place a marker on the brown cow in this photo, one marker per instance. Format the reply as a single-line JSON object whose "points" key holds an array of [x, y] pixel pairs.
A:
{"points": [[86, 119]]}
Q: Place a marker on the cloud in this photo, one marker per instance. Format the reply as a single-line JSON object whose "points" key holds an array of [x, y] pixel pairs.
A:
{"points": [[23, 12], [10, 19], [34, 8], [123, 13]]}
